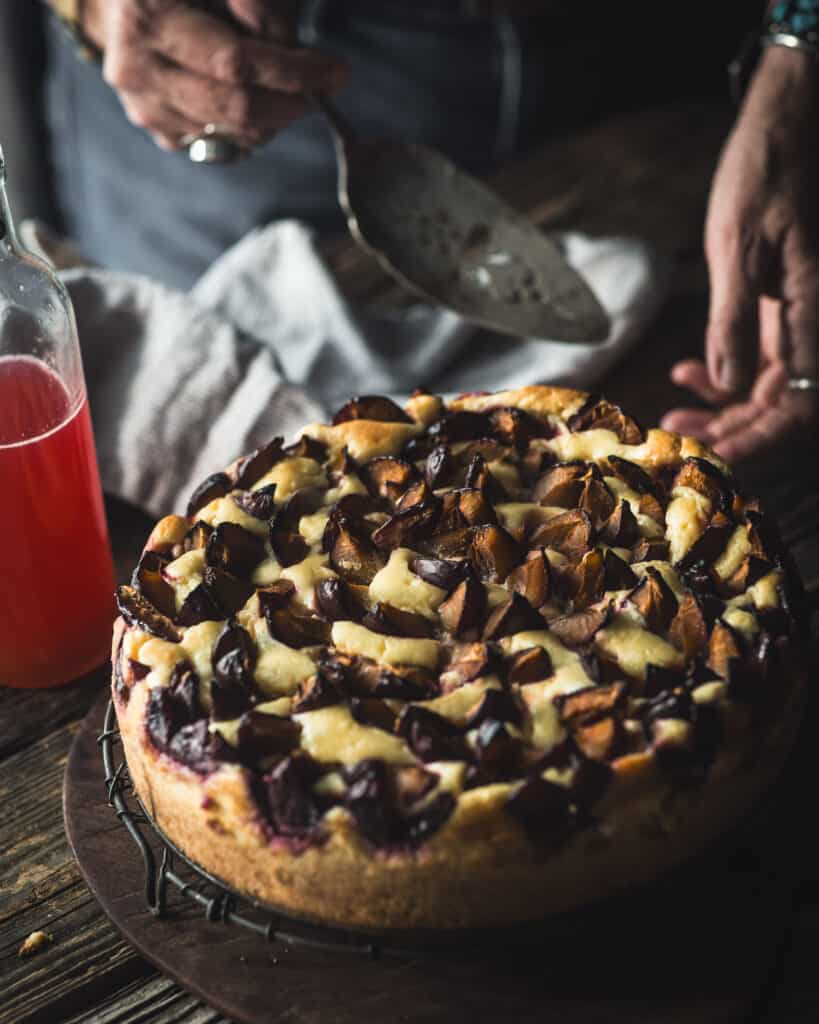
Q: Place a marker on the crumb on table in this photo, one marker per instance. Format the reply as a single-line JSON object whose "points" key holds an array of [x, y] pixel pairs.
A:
{"points": [[34, 943]]}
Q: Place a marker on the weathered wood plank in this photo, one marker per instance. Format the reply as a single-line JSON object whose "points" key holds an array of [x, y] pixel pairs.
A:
{"points": [[87, 960], [35, 861], [156, 999], [27, 716], [41, 889]]}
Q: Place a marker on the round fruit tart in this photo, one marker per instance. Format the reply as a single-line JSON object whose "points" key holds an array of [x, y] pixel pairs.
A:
{"points": [[457, 664]]}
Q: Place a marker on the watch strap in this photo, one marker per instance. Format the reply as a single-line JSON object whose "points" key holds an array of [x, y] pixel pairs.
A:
{"points": [[790, 23], [793, 23]]}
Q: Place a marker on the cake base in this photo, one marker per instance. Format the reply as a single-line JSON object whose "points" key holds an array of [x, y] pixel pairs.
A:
{"points": [[573, 963], [503, 884]]}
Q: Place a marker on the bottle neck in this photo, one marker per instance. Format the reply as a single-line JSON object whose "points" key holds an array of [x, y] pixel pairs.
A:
{"points": [[8, 232], [36, 316]]}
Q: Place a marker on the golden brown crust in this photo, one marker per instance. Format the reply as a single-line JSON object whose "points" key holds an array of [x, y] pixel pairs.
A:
{"points": [[538, 399], [170, 530], [477, 862], [364, 439]]}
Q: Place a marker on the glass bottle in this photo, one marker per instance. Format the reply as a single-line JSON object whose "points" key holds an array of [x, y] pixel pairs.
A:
{"points": [[56, 574]]}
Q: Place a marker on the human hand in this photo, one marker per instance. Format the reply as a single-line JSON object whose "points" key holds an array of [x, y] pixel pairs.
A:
{"points": [[177, 67], [762, 248]]}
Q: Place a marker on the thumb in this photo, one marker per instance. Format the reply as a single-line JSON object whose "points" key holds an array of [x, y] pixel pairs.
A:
{"points": [[732, 335]]}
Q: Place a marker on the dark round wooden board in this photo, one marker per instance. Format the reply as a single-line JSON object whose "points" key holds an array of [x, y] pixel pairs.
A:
{"points": [[698, 945]]}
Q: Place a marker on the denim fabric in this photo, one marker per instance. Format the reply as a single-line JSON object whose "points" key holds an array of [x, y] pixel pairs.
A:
{"points": [[479, 91]]}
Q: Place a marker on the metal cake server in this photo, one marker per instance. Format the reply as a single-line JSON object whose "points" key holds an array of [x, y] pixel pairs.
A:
{"points": [[443, 234], [450, 239]]}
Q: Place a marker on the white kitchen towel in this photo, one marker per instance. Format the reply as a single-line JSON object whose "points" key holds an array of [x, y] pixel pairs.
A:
{"points": [[180, 384]]}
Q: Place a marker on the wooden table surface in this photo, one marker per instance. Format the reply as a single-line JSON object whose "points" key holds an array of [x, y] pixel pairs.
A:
{"points": [[645, 174]]}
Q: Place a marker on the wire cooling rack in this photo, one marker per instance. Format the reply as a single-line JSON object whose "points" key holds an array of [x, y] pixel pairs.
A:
{"points": [[168, 871]]}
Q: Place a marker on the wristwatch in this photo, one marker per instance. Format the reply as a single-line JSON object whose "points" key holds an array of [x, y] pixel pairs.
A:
{"points": [[790, 23], [68, 13]]}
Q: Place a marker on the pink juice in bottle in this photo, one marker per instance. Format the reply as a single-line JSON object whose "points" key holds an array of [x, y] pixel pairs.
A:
{"points": [[56, 575]]}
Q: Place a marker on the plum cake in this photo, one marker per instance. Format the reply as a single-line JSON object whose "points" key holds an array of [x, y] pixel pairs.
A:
{"points": [[459, 663]]}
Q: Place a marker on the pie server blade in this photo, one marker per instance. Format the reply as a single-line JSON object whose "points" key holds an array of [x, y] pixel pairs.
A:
{"points": [[450, 239]]}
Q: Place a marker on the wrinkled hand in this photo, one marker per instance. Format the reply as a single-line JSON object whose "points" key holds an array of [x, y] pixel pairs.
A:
{"points": [[177, 67], [762, 248]]}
